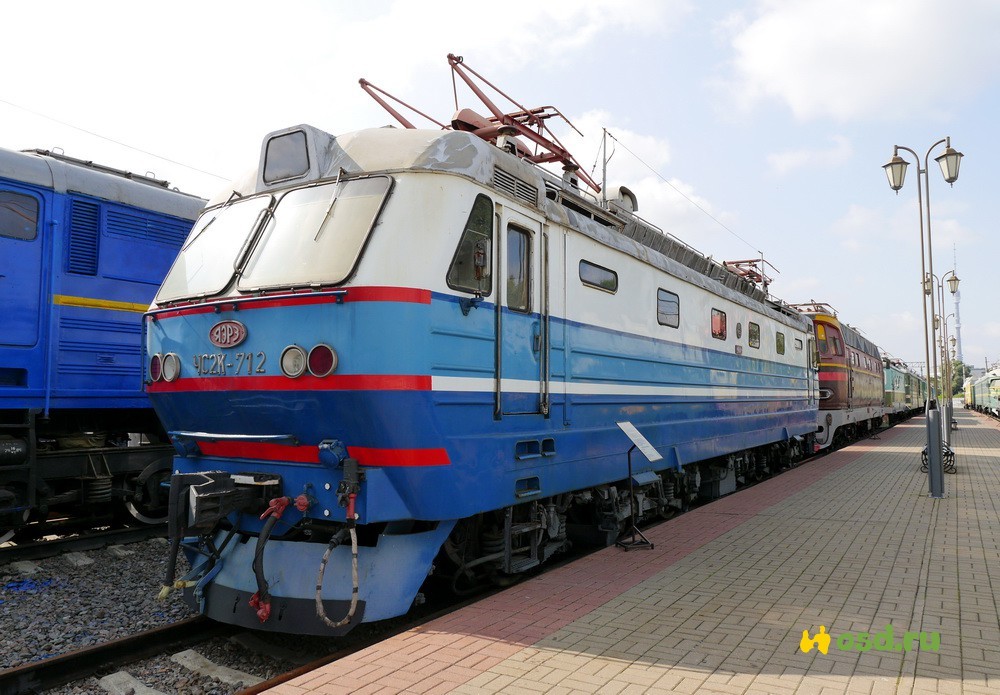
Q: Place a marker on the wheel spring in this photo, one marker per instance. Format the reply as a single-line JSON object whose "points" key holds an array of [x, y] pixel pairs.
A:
{"points": [[97, 490], [492, 542]]}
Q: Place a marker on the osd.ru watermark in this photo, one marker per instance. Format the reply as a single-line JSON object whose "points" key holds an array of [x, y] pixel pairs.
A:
{"points": [[884, 641]]}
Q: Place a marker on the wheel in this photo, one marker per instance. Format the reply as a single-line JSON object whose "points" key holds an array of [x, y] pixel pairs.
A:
{"points": [[148, 497], [10, 524]]}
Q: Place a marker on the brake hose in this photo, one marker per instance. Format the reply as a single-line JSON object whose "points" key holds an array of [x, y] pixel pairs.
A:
{"points": [[337, 539]]}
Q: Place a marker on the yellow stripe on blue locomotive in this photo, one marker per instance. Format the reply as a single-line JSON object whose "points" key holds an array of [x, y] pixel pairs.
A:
{"points": [[92, 303]]}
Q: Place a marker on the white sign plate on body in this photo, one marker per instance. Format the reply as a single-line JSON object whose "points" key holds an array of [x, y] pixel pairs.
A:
{"points": [[641, 443]]}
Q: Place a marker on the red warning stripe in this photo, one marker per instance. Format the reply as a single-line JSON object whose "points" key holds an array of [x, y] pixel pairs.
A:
{"points": [[366, 456]]}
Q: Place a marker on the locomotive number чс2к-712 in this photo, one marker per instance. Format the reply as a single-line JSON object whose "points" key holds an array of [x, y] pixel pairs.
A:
{"points": [[226, 364]]}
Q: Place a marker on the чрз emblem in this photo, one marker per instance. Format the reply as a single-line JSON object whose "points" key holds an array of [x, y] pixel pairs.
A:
{"points": [[227, 334]]}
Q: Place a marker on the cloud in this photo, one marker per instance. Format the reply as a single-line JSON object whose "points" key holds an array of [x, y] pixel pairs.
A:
{"points": [[541, 36], [863, 58], [858, 227], [838, 153], [642, 163]]}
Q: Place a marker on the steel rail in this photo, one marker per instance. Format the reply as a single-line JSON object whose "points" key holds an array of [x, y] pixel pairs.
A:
{"points": [[37, 550], [39, 676]]}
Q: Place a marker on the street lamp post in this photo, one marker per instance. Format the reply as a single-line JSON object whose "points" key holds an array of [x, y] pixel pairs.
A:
{"points": [[953, 288], [896, 172], [947, 405], [946, 384]]}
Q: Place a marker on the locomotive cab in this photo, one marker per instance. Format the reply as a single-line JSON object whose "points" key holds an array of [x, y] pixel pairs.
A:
{"points": [[830, 345]]}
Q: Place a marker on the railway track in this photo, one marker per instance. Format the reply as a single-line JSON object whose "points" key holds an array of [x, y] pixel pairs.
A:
{"points": [[116, 661], [39, 676], [79, 542]]}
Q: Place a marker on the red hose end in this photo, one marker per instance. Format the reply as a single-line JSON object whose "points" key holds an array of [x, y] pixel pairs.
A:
{"points": [[277, 508], [264, 612], [262, 606]]}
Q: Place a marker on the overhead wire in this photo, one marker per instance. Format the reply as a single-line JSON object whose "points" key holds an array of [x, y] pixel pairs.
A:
{"points": [[112, 140], [685, 196]]}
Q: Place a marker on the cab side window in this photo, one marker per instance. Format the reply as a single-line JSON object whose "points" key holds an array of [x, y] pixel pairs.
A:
{"points": [[18, 216], [471, 268]]}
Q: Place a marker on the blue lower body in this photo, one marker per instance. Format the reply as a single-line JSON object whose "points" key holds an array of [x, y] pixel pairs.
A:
{"points": [[389, 577]]}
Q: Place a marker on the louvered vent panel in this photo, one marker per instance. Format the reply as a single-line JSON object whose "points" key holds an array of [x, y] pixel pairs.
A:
{"points": [[515, 186], [527, 192], [162, 230], [504, 181], [84, 232]]}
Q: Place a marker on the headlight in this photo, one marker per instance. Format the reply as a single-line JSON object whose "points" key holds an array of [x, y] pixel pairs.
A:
{"points": [[293, 361], [171, 366]]}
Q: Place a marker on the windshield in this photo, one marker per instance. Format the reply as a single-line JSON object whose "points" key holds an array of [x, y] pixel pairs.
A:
{"points": [[316, 235], [206, 262]]}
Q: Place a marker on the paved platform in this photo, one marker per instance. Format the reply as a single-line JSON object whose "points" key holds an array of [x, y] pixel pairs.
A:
{"points": [[846, 545]]}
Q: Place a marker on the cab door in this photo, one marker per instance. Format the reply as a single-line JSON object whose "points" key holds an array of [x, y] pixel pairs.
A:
{"points": [[21, 252], [522, 315]]}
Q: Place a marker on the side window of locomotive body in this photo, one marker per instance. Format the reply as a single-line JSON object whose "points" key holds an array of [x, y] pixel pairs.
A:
{"points": [[18, 216], [668, 308], [779, 343], [518, 270], [316, 234], [208, 258], [753, 334], [599, 277], [718, 324], [471, 268]]}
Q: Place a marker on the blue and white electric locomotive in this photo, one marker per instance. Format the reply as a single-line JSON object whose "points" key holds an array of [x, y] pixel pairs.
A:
{"points": [[82, 250], [426, 329]]}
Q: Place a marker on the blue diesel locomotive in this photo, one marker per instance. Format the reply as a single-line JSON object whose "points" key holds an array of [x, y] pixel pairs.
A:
{"points": [[82, 250], [396, 353]]}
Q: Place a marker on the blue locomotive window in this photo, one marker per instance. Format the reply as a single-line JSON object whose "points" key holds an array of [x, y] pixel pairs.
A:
{"points": [[668, 308], [753, 334], [779, 343], [599, 277], [18, 216], [518, 270], [471, 268], [718, 324], [286, 157], [315, 234]]}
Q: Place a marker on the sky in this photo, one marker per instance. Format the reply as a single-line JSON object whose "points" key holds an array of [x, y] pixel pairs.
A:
{"points": [[745, 128]]}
